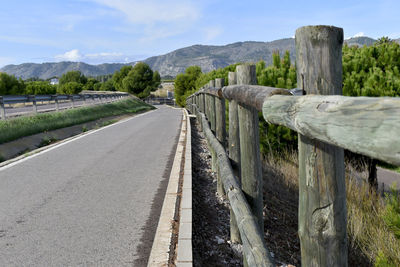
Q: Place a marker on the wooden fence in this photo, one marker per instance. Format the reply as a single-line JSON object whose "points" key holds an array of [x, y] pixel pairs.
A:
{"points": [[326, 123]]}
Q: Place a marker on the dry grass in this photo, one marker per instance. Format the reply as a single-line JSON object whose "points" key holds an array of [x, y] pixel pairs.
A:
{"points": [[369, 237], [162, 92], [366, 227]]}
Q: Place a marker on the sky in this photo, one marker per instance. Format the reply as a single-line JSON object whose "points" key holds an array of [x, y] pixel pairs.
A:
{"points": [[108, 31]]}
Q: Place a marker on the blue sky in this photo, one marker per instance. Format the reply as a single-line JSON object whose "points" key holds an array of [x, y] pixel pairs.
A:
{"points": [[98, 31]]}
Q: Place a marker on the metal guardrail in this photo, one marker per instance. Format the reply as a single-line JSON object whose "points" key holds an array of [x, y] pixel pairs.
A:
{"points": [[57, 99], [326, 122]]}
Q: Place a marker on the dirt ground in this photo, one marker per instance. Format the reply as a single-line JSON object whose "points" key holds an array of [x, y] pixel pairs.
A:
{"points": [[211, 245]]}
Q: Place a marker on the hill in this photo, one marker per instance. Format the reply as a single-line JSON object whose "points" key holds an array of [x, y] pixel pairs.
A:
{"points": [[208, 57], [214, 57], [360, 41], [49, 70]]}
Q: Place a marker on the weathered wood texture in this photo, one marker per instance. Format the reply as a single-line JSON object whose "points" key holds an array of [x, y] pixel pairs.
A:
{"points": [[220, 115], [250, 162], [251, 95], [215, 91], [254, 248], [322, 203], [234, 152], [246, 74], [220, 127], [202, 103], [212, 113], [365, 125], [211, 83]]}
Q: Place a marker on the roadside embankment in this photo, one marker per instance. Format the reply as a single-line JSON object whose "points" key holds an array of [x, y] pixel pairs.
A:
{"points": [[23, 134]]}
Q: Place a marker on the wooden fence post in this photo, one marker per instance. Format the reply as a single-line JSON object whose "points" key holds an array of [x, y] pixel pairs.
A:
{"points": [[322, 195], [72, 101], [203, 103], [34, 104], [2, 109], [234, 144], [211, 119], [234, 152], [220, 125], [56, 102], [212, 108], [250, 162]]}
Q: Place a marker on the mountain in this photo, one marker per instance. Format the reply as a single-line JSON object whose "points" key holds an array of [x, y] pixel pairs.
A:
{"points": [[214, 57], [208, 57], [48, 70], [360, 41]]}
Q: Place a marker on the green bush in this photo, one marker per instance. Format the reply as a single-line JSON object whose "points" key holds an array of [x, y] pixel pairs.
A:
{"points": [[70, 88], [382, 261], [40, 88], [391, 215]]}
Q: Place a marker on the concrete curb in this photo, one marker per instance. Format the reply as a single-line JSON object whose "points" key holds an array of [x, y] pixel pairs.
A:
{"points": [[184, 253], [160, 252]]}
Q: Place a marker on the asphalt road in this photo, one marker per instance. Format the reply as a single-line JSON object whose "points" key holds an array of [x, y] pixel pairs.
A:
{"points": [[87, 202]]}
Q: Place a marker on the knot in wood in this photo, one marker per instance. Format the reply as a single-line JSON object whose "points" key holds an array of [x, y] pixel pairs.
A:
{"points": [[322, 221]]}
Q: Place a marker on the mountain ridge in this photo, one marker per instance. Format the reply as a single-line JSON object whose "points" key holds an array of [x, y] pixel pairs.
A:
{"points": [[208, 57]]}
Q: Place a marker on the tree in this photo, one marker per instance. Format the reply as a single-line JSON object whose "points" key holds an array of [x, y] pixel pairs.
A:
{"points": [[73, 76], [70, 88], [119, 76], [139, 80], [107, 86], [90, 84], [9, 85], [40, 88], [186, 83], [156, 80]]}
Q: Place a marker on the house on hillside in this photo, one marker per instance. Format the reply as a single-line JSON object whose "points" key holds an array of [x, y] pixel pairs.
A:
{"points": [[54, 81]]}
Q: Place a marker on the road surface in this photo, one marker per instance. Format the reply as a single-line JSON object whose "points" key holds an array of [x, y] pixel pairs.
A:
{"points": [[88, 202]]}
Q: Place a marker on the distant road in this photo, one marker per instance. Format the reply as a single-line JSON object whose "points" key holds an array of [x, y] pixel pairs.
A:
{"points": [[389, 178], [89, 201]]}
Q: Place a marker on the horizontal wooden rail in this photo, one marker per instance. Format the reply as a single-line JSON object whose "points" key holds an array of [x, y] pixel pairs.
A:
{"points": [[251, 95], [255, 250], [365, 125]]}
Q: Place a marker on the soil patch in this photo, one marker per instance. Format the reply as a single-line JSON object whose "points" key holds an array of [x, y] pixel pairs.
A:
{"points": [[211, 245]]}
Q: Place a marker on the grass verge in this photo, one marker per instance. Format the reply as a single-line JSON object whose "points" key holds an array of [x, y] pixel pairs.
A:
{"points": [[24, 126], [373, 221]]}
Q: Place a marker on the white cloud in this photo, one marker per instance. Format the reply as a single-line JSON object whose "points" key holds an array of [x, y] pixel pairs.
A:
{"points": [[73, 55], [360, 34], [97, 58], [153, 11]]}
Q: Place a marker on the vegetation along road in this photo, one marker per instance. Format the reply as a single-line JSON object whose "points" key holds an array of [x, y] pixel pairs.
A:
{"points": [[92, 200]]}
